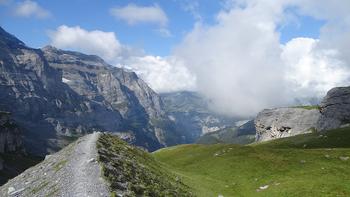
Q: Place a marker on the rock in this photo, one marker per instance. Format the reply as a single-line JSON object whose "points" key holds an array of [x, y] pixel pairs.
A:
{"points": [[284, 122], [47, 156], [302, 161], [335, 109], [10, 190], [91, 160], [264, 187], [344, 158], [220, 195], [327, 156]]}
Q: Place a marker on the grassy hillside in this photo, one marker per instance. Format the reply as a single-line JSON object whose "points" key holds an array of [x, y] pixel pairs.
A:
{"points": [[134, 172], [307, 165]]}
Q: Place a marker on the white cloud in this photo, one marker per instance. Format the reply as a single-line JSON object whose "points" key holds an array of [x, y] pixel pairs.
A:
{"points": [[133, 14], [242, 67], [162, 74], [30, 8], [310, 70], [104, 44], [237, 60]]}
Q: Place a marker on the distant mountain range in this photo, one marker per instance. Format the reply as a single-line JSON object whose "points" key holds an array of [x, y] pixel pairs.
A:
{"points": [[191, 114]]}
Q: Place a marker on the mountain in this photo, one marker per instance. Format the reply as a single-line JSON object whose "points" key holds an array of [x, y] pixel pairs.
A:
{"points": [[243, 134], [192, 115], [56, 96], [97, 165]]}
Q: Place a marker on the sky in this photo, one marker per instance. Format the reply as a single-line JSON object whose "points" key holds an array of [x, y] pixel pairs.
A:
{"points": [[242, 55]]}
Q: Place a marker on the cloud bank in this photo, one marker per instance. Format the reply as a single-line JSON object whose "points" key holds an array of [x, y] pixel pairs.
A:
{"points": [[242, 67]]}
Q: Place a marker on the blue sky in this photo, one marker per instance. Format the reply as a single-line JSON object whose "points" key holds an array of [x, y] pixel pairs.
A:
{"points": [[95, 15]]}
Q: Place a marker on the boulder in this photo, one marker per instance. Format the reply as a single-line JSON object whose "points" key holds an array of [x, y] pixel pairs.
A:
{"points": [[284, 122], [335, 109]]}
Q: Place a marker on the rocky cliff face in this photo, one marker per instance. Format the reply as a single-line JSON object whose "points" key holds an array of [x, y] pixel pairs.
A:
{"points": [[58, 95], [10, 136], [335, 109], [284, 122]]}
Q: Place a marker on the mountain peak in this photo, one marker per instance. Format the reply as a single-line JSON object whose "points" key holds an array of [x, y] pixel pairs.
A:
{"points": [[9, 39]]}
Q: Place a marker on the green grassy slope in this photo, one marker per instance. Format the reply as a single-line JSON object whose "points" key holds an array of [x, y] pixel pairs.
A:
{"points": [[136, 172], [287, 166]]}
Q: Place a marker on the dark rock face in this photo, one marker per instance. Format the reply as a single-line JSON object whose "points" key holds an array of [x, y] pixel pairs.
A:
{"points": [[56, 95], [335, 109], [10, 136]]}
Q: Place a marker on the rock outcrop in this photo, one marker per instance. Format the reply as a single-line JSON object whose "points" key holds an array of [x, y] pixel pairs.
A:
{"points": [[335, 109], [284, 122], [56, 96]]}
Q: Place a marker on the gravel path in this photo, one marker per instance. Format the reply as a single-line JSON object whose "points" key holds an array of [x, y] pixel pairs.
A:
{"points": [[84, 173], [72, 172]]}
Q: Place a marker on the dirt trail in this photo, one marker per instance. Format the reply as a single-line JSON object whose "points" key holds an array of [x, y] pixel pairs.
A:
{"points": [[84, 174]]}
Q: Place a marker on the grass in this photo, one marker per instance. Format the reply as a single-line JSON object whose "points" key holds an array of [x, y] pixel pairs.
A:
{"points": [[135, 171], [308, 107], [58, 166], [287, 166], [40, 187]]}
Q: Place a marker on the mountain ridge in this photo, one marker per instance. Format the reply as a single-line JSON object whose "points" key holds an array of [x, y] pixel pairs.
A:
{"points": [[51, 111]]}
